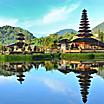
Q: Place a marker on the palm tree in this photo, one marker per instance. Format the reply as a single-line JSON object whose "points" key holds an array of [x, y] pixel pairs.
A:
{"points": [[3, 33]]}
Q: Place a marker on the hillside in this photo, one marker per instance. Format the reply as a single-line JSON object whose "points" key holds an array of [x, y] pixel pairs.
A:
{"points": [[8, 34], [52, 39], [98, 28], [61, 32]]}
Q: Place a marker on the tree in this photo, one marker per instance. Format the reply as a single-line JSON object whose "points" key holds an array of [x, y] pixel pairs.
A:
{"points": [[101, 36]]}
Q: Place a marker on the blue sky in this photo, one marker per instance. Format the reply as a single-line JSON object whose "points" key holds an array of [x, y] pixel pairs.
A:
{"points": [[49, 16]]}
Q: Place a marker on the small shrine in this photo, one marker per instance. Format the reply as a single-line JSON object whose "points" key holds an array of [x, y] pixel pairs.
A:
{"points": [[21, 47]]}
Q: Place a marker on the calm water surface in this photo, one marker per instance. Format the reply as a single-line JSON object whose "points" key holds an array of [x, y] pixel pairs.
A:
{"points": [[52, 82]]}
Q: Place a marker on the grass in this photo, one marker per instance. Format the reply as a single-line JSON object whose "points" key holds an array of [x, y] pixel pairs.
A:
{"points": [[77, 56], [9, 58], [15, 57], [82, 56], [48, 56]]}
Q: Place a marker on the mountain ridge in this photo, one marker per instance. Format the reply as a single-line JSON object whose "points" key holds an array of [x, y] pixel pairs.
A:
{"points": [[63, 31], [8, 34], [98, 28]]}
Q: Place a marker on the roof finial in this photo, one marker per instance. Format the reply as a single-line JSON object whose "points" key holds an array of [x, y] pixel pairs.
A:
{"points": [[84, 10]]}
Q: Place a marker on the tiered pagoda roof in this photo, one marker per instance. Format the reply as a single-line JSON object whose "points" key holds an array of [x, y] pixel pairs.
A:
{"points": [[85, 33], [20, 77], [63, 41], [84, 30], [84, 81], [19, 68], [92, 41], [21, 36]]}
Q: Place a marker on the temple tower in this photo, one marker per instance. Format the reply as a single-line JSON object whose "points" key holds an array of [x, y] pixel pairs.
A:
{"points": [[20, 40], [84, 81], [84, 29]]}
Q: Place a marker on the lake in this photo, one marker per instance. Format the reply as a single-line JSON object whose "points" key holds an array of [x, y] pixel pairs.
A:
{"points": [[52, 82]]}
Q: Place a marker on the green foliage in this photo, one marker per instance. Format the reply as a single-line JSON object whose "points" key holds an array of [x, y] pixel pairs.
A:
{"points": [[55, 56], [41, 56], [101, 36], [99, 55], [46, 42], [8, 34], [68, 36], [15, 57], [100, 27], [10, 58], [51, 40], [82, 56], [49, 65], [77, 56]]}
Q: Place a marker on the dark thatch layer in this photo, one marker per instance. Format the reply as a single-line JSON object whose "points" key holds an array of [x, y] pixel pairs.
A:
{"points": [[63, 41], [91, 41]]}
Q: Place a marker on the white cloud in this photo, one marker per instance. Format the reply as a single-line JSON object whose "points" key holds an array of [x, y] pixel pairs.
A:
{"points": [[59, 14], [53, 16], [57, 86], [8, 21], [52, 21], [6, 79], [54, 85]]}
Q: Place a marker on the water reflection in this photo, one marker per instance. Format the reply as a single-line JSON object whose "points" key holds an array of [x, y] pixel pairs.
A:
{"points": [[18, 68], [83, 70]]}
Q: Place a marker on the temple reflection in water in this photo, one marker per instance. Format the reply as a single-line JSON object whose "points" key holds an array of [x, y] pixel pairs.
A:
{"points": [[83, 70], [18, 68]]}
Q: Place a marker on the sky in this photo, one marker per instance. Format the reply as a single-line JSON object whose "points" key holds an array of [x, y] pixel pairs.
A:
{"points": [[43, 17]]}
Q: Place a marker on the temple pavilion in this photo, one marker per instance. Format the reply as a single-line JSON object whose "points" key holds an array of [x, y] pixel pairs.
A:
{"points": [[21, 46], [84, 41]]}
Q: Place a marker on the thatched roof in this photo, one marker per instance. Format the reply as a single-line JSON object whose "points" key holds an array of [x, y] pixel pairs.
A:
{"points": [[17, 44], [63, 41], [20, 34], [85, 35], [92, 41], [20, 38]]}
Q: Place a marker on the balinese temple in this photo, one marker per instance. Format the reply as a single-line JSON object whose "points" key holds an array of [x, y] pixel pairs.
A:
{"points": [[64, 45], [84, 82], [84, 71], [84, 77], [20, 76], [84, 41], [84, 30], [21, 41], [20, 68], [16, 68], [21, 47], [63, 67]]}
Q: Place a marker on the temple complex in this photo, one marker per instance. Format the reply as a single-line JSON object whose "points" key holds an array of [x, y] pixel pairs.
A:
{"points": [[84, 41], [21, 47]]}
